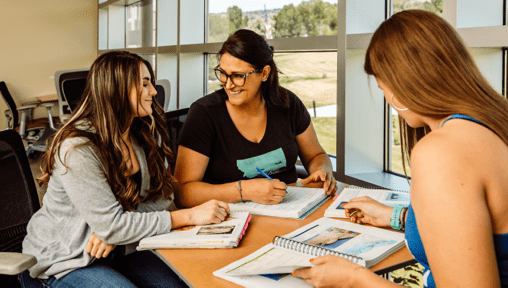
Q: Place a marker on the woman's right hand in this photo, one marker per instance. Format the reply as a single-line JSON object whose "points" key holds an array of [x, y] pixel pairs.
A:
{"points": [[264, 191], [365, 210], [210, 212]]}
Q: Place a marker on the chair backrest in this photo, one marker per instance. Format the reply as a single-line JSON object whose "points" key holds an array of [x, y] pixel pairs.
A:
{"points": [[18, 194], [174, 124], [70, 85], [10, 104], [163, 88]]}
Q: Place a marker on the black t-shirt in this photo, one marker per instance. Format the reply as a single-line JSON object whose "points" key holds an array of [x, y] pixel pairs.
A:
{"points": [[209, 130]]}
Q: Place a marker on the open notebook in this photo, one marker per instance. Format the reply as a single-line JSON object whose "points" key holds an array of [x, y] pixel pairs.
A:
{"points": [[272, 265], [386, 197], [223, 235], [298, 203]]}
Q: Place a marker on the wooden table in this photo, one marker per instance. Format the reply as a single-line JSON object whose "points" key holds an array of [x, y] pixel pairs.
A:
{"points": [[197, 265]]}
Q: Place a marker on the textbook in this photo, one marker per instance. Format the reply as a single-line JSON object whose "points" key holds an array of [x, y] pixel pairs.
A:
{"points": [[298, 203], [223, 235], [386, 197], [272, 265]]}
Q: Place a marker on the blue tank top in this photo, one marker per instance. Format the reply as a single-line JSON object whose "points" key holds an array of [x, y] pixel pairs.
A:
{"points": [[415, 245]]}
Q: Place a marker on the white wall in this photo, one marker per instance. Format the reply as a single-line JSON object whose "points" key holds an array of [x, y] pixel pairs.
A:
{"points": [[38, 38]]}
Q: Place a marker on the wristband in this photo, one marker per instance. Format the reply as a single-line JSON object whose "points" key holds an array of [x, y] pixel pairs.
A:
{"points": [[239, 188], [395, 221]]}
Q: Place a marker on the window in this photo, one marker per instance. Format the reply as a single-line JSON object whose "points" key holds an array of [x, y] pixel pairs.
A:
{"points": [[320, 51], [276, 19]]}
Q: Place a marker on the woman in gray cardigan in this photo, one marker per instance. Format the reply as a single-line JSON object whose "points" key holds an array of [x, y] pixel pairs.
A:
{"points": [[110, 181]]}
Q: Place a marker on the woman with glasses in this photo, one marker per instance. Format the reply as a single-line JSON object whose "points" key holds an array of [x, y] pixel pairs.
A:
{"points": [[241, 142], [454, 128]]}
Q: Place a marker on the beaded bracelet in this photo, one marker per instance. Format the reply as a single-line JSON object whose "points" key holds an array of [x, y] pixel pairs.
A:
{"points": [[395, 221], [239, 188], [403, 218]]}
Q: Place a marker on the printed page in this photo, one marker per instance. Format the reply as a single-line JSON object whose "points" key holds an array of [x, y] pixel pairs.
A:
{"points": [[387, 197], [222, 234], [269, 260], [349, 238], [296, 202]]}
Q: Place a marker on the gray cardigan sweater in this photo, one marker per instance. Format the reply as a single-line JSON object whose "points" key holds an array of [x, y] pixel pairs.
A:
{"points": [[79, 202]]}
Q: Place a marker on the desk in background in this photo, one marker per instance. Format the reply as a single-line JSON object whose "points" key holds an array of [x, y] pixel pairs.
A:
{"points": [[197, 265]]}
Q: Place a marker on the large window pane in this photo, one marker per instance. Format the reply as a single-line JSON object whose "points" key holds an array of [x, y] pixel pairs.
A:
{"points": [[140, 24], [473, 13], [435, 6], [275, 19]]}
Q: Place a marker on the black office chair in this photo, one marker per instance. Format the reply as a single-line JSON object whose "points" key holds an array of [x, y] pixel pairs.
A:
{"points": [[174, 124], [34, 131], [18, 202], [70, 85]]}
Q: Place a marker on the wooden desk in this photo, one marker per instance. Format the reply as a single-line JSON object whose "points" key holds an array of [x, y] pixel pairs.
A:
{"points": [[197, 265]]}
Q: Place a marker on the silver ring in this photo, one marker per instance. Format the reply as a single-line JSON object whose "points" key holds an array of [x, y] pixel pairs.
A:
{"points": [[353, 213]]}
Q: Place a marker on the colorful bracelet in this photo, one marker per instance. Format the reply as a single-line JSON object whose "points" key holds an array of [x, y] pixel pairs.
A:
{"points": [[395, 221], [403, 219], [239, 188]]}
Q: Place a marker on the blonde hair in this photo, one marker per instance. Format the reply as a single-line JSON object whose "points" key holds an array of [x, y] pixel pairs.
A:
{"points": [[106, 107], [422, 59]]}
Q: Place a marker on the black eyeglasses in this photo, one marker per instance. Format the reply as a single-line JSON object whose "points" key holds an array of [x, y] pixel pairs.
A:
{"points": [[237, 79]]}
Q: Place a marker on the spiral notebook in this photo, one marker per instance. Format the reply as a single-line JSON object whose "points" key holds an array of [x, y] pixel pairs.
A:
{"points": [[272, 265], [298, 203], [386, 197]]}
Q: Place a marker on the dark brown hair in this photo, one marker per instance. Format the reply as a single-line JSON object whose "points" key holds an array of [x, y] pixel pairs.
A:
{"points": [[422, 59], [105, 106], [252, 48]]}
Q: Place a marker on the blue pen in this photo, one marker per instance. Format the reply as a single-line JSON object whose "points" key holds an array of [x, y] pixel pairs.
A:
{"points": [[264, 174]]}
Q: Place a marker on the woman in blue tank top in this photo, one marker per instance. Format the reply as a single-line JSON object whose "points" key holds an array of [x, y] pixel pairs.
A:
{"points": [[454, 130]]}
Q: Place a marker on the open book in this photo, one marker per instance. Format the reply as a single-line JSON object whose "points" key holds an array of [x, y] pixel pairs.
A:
{"points": [[386, 197], [271, 265], [298, 203], [223, 235]]}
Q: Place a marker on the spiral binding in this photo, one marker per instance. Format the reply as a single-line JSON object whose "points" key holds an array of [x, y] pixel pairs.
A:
{"points": [[312, 249]]}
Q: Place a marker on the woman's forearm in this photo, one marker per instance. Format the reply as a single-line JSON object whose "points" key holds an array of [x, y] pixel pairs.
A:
{"points": [[197, 192], [319, 162]]}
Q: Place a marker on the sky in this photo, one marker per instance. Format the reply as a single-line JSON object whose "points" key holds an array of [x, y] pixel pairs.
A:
{"points": [[219, 6]]}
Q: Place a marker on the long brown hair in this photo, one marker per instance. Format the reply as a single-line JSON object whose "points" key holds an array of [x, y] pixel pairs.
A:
{"points": [[422, 59], [106, 109]]}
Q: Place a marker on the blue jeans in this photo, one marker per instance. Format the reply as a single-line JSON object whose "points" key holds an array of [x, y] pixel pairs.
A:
{"points": [[139, 269]]}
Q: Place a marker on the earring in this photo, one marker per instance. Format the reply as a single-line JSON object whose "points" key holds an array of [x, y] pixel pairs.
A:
{"points": [[397, 108], [264, 80]]}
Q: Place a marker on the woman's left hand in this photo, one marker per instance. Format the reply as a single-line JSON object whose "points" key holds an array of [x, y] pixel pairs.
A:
{"points": [[98, 248], [330, 271], [330, 185]]}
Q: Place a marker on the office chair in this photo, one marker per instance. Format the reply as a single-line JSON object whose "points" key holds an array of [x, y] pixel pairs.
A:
{"points": [[34, 131], [174, 124], [70, 85], [163, 88], [18, 202]]}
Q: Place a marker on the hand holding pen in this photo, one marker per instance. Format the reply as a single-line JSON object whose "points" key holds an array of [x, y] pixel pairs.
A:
{"points": [[264, 191]]}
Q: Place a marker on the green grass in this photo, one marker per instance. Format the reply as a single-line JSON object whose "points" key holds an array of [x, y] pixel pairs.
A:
{"points": [[326, 132]]}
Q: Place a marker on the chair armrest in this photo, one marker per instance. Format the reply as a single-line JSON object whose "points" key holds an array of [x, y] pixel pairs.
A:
{"points": [[13, 263], [26, 107]]}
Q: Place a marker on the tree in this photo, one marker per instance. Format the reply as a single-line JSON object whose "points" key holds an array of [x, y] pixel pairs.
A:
{"points": [[312, 18], [288, 22], [235, 19], [218, 29]]}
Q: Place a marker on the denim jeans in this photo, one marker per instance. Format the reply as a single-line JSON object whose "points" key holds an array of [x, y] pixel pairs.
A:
{"points": [[139, 269]]}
